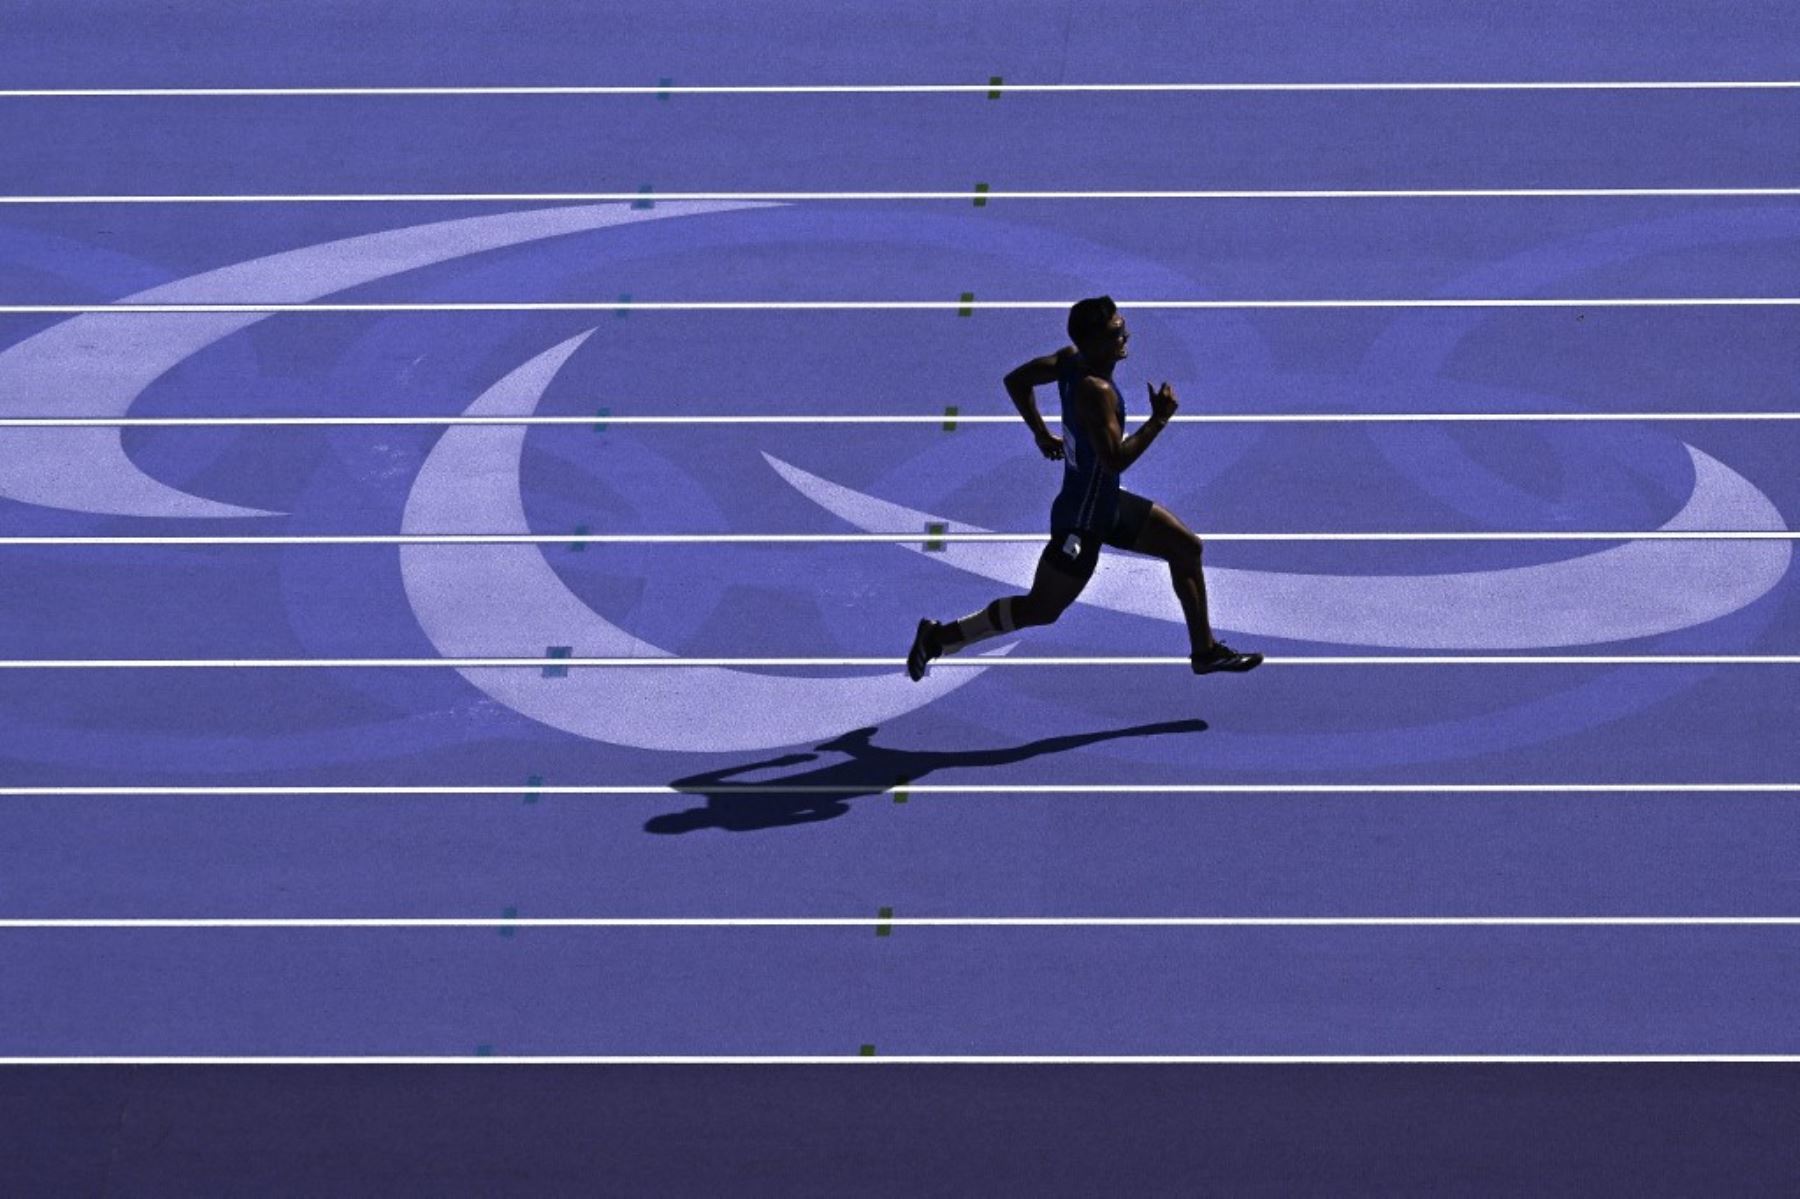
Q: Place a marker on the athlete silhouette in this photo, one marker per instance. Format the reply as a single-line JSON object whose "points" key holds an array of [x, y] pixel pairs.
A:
{"points": [[1091, 510]]}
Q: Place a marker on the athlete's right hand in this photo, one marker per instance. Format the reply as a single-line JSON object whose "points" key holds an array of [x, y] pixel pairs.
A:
{"points": [[1162, 402], [1050, 444]]}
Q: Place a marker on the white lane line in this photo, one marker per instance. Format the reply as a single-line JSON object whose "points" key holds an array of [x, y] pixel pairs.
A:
{"points": [[936, 789], [1491, 1059], [854, 538], [803, 89], [982, 662], [1209, 418], [398, 922], [801, 197], [858, 538], [895, 305]]}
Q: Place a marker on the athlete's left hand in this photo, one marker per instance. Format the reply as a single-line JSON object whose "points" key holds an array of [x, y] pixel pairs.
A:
{"points": [[1050, 444], [1162, 401]]}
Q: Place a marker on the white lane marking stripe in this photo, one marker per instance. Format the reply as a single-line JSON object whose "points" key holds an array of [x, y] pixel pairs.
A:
{"points": [[1213, 418], [674, 662], [403, 922], [933, 1059], [791, 197], [779, 89], [860, 538], [1634, 789], [896, 305]]}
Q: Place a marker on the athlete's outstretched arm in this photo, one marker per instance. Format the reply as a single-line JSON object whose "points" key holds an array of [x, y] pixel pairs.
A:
{"points": [[1019, 383], [1100, 419]]}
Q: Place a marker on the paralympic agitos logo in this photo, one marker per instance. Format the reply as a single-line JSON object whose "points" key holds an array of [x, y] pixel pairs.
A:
{"points": [[98, 363]]}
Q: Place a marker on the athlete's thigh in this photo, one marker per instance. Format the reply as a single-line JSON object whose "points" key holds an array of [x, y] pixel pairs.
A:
{"points": [[1060, 576], [1163, 535]]}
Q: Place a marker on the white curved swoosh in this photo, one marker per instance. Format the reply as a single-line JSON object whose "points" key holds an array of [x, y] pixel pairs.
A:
{"points": [[1640, 589], [479, 599], [97, 364]]}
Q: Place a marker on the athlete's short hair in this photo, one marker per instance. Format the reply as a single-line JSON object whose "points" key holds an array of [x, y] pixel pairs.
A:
{"points": [[1088, 318]]}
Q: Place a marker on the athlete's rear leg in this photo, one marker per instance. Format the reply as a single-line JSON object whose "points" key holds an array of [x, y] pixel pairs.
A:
{"points": [[1052, 591], [1164, 536]]}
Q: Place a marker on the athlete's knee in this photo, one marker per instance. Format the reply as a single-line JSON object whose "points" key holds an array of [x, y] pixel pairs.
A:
{"points": [[1034, 610], [1187, 552]]}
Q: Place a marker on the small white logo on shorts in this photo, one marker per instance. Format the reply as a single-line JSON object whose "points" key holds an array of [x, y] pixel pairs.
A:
{"points": [[1072, 545]]}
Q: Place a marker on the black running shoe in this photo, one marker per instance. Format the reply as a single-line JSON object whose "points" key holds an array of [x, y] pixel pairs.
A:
{"points": [[1223, 657], [925, 647]]}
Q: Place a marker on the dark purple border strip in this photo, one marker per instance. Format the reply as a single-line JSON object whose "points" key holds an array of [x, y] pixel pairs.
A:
{"points": [[900, 1130]]}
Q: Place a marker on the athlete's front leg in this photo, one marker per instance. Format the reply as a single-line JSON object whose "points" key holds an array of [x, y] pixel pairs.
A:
{"points": [[1164, 536]]}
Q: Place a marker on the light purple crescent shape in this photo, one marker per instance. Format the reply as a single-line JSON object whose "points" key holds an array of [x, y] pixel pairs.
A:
{"points": [[97, 364], [505, 600], [1639, 589]]}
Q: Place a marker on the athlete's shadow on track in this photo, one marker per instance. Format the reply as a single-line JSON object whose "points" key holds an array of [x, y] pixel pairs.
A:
{"points": [[825, 792]]}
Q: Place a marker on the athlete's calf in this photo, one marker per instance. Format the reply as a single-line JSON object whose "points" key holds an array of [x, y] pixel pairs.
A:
{"points": [[1052, 591]]}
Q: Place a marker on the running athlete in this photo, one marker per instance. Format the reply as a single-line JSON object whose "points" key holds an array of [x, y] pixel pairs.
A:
{"points": [[1091, 510]]}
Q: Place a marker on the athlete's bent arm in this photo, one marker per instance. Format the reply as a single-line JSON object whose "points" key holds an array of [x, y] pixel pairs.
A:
{"points": [[1101, 420], [1019, 383]]}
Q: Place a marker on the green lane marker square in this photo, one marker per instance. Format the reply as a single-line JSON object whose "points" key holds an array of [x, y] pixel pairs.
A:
{"points": [[643, 200], [882, 930], [557, 651], [535, 780], [934, 541], [664, 83], [624, 309], [981, 195], [604, 414], [950, 413], [900, 786], [993, 87], [506, 930], [866, 1051], [575, 547], [968, 304], [484, 1051]]}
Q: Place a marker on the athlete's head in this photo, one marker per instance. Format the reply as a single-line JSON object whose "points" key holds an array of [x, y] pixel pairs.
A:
{"points": [[1097, 329]]}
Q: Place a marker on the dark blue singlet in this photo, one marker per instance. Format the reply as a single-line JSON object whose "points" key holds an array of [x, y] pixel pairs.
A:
{"points": [[1089, 500]]}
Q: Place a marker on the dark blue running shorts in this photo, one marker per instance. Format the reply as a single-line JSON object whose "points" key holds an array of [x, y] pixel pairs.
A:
{"points": [[1076, 552]]}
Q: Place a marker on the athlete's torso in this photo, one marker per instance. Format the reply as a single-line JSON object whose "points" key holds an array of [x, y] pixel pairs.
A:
{"points": [[1090, 492]]}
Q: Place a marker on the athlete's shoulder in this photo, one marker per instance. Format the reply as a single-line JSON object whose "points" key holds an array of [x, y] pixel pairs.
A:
{"points": [[1092, 384], [1069, 365], [1051, 368]]}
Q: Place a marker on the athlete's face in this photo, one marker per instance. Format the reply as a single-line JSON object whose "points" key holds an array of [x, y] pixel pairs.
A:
{"points": [[1116, 335], [1112, 342]]}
